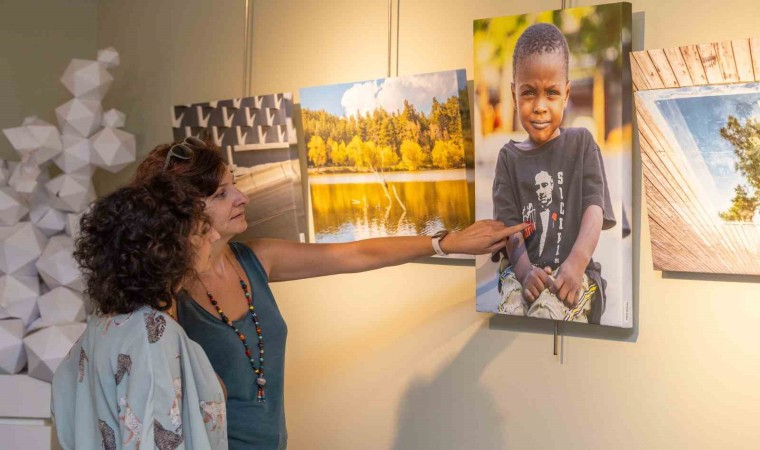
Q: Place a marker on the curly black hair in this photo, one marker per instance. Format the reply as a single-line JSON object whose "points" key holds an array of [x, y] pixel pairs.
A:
{"points": [[134, 247], [538, 39]]}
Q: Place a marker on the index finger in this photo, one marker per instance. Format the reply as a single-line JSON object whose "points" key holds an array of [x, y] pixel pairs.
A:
{"points": [[509, 231]]}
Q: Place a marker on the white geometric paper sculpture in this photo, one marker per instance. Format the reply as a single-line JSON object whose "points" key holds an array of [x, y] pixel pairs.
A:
{"points": [[70, 192], [46, 348], [61, 305], [20, 246], [87, 80], [25, 177], [12, 206], [76, 156], [35, 139], [12, 353], [109, 57], [5, 173], [80, 117], [47, 219], [114, 119], [18, 297], [114, 149], [57, 266], [72, 224]]}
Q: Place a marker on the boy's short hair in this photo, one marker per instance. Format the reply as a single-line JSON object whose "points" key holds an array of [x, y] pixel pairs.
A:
{"points": [[538, 39]]}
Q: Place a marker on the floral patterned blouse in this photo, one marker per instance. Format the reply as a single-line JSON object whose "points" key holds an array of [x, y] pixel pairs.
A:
{"points": [[136, 381]]}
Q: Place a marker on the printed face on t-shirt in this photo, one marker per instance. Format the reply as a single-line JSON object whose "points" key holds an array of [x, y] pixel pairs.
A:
{"points": [[544, 188], [541, 90]]}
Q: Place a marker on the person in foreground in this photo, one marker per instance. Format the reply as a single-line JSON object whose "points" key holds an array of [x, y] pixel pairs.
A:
{"points": [[134, 380], [229, 309]]}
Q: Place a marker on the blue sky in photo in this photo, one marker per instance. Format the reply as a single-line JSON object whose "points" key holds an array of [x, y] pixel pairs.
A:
{"points": [[388, 93], [704, 117]]}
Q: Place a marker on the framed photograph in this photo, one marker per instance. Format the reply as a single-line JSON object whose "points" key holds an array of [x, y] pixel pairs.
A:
{"points": [[259, 143], [698, 111], [553, 139], [389, 157]]}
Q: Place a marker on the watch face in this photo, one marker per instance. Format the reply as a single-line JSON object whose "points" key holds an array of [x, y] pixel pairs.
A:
{"points": [[441, 234]]}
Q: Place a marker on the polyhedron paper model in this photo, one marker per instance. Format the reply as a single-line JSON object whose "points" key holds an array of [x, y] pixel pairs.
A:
{"points": [[79, 116], [12, 206], [114, 118], [114, 149], [46, 348], [76, 156], [109, 57], [71, 192], [18, 297], [72, 224], [88, 80], [20, 246], [47, 219], [57, 266], [12, 353], [25, 177], [5, 173], [35, 139], [61, 305]]}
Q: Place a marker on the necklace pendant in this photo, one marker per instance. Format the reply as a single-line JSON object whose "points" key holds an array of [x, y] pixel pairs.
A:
{"points": [[261, 381]]}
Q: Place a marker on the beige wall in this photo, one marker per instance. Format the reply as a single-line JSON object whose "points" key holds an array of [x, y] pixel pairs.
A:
{"points": [[37, 40], [398, 358]]}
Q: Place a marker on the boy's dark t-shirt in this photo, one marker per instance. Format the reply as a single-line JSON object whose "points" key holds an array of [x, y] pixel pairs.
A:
{"points": [[552, 186]]}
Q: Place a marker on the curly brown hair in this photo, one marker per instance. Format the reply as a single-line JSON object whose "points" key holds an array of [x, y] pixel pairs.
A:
{"points": [[134, 248], [205, 170]]}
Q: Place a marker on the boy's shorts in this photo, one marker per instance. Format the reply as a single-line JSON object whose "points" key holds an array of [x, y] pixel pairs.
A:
{"points": [[547, 305]]}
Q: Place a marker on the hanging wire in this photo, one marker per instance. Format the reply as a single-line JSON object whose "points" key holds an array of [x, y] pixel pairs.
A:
{"points": [[398, 27], [245, 49], [390, 32]]}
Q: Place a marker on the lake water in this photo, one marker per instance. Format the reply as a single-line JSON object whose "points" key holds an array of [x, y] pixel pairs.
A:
{"points": [[348, 207]]}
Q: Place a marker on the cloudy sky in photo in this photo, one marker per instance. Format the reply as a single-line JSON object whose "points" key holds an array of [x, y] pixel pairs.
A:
{"points": [[350, 99]]}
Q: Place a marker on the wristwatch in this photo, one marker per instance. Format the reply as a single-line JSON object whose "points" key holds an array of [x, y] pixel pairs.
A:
{"points": [[437, 238]]}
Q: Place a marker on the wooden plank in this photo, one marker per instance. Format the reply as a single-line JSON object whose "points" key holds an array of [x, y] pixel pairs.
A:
{"points": [[743, 59], [754, 47], [708, 54], [648, 70], [661, 64], [726, 62], [694, 64], [681, 72], [639, 80]]}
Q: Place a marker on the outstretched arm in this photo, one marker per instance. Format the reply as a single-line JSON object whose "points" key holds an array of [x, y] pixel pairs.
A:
{"points": [[286, 260]]}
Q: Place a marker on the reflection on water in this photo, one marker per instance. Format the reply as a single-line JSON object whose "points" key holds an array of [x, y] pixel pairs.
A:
{"points": [[352, 211]]}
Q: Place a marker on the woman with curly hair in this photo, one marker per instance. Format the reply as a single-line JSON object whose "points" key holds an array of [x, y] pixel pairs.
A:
{"points": [[134, 380], [230, 310]]}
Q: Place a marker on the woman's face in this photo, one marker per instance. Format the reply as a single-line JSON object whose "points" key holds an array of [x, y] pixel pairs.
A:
{"points": [[226, 207], [203, 242]]}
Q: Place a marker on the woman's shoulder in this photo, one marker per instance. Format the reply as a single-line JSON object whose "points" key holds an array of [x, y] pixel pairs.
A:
{"points": [[142, 326]]}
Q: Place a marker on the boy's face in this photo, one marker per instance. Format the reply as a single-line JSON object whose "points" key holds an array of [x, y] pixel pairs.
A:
{"points": [[540, 91]]}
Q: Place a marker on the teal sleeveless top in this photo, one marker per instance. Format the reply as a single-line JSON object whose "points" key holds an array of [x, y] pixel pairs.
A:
{"points": [[250, 424]]}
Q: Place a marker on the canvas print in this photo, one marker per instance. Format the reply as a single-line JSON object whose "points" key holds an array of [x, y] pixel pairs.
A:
{"points": [[553, 141], [389, 157], [258, 139], [698, 110]]}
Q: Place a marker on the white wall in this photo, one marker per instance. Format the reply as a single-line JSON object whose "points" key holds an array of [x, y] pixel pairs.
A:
{"points": [[398, 358]]}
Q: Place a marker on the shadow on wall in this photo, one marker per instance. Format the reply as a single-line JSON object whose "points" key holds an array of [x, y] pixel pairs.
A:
{"points": [[452, 410]]}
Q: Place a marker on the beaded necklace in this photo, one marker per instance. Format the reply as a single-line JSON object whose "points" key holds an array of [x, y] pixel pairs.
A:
{"points": [[259, 372]]}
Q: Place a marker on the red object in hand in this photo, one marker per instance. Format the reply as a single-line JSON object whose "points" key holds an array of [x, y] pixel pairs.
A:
{"points": [[529, 230]]}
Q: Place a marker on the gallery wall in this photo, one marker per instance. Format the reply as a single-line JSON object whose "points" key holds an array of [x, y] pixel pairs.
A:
{"points": [[398, 358], [36, 45]]}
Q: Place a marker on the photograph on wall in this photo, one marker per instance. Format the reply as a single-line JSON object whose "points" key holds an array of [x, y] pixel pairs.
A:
{"points": [[553, 139], [389, 157], [698, 113], [259, 141]]}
